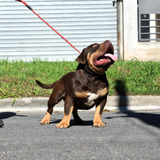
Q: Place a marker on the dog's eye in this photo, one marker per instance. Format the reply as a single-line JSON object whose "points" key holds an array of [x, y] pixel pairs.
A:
{"points": [[95, 45]]}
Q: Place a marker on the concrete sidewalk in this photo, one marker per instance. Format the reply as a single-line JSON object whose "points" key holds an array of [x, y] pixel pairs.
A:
{"points": [[113, 103]]}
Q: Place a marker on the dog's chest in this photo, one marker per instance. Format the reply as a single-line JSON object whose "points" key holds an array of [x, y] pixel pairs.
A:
{"points": [[91, 99]]}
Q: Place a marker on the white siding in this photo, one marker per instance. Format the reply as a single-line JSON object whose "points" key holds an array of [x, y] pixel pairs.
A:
{"points": [[83, 22]]}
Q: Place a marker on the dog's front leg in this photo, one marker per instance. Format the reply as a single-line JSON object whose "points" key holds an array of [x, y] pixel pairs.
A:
{"points": [[65, 122], [97, 122]]}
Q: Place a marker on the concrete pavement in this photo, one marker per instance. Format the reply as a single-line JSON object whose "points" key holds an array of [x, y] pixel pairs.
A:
{"points": [[128, 135]]}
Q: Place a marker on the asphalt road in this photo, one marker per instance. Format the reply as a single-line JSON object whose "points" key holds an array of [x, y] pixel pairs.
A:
{"points": [[128, 135]]}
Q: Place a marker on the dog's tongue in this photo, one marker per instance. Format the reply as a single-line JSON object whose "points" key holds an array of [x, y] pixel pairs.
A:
{"points": [[111, 56]]}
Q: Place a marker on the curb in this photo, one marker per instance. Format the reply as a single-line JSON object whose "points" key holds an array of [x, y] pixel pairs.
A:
{"points": [[130, 103]]}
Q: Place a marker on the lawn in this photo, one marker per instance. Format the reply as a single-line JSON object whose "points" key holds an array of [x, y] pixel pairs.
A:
{"points": [[17, 78]]}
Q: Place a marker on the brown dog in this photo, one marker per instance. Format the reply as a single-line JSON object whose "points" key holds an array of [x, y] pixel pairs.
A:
{"points": [[85, 88]]}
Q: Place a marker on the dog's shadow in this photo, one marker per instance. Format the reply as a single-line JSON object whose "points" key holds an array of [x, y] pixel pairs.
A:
{"points": [[73, 122], [84, 123]]}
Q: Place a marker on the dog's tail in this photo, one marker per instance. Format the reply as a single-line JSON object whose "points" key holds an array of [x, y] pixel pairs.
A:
{"points": [[46, 86]]}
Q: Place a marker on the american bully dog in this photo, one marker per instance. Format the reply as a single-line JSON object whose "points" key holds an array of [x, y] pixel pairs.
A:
{"points": [[85, 88]]}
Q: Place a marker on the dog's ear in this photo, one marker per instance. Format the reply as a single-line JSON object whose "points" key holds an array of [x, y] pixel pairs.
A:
{"points": [[81, 58]]}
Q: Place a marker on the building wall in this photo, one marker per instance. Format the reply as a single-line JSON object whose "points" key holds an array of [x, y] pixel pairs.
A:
{"points": [[83, 22], [144, 51]]}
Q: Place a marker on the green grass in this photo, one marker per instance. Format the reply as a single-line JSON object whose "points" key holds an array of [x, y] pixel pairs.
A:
{"points": [[17, 78]]}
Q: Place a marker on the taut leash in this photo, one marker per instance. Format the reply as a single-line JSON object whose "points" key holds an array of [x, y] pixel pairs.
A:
{"points": [[30, 8]]}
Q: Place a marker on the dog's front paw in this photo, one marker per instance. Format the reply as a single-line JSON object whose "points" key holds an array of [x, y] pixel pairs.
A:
{"points": [[98, 123], [44, 122], [62, 124]]}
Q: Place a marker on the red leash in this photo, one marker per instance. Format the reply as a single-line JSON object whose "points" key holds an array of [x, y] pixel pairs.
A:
{"points": [[29, 7]]}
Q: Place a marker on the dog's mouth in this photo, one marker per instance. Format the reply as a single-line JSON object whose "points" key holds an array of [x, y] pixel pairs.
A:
{"points": [[105, 59], [106, 56]]}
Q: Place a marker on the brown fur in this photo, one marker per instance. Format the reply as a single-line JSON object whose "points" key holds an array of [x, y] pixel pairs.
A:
{"points": [[83, 89]]}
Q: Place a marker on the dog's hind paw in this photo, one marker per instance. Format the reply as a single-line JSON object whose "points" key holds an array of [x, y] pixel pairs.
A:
{"points": [[46, 119]]}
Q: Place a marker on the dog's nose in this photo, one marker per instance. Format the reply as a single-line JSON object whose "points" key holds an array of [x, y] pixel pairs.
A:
{"points": [[107, 41]]}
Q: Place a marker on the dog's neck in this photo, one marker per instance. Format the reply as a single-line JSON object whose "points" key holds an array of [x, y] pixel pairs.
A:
{"points": [[90, 73]]}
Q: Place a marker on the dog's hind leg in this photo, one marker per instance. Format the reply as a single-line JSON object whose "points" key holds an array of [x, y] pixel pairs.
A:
{"points": [[56, 96]]}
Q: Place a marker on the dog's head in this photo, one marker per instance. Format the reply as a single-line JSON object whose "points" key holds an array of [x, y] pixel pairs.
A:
{"points": [[98, 57]]}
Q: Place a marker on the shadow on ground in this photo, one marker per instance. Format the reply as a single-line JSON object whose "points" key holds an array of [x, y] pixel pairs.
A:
{"points": [[5, 115], [147, 118], [73, 123]]}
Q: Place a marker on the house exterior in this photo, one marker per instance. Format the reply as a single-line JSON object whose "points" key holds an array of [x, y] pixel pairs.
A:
{"points": [[133, 26], [139, 29]]}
